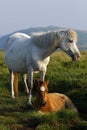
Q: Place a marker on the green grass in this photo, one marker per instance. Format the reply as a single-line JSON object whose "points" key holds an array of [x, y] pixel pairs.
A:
{"points": [[64, 76]]}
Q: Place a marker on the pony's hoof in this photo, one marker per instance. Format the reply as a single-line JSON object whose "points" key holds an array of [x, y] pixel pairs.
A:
{"points": [[13, 97]]}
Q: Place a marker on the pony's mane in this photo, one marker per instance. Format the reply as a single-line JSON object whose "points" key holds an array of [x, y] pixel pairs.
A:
{"points": [[43, 39]]}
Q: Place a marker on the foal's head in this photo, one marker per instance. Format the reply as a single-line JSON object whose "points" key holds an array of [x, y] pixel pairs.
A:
{"points": [[42, 90]]}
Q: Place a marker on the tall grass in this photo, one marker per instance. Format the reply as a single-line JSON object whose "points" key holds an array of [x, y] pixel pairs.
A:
{"points": [[64, 76]]}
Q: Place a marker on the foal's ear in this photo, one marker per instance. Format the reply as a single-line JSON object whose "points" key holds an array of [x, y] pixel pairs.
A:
{"points": [[36, 83], [47, 82]]}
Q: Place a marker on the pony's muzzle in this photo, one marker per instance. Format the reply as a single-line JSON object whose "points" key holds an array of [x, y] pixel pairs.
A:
{"points": [[76, 57]]}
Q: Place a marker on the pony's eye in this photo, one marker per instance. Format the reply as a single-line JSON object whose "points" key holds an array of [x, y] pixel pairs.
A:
{"points": [[42, 88], [71, 41]]}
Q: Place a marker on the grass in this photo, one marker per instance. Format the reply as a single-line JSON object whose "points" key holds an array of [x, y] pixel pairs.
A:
{"points": [[64, 76]]}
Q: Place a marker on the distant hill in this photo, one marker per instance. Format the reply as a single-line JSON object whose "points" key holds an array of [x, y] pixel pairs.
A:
{"points": [[82, 35], [82, 39]]}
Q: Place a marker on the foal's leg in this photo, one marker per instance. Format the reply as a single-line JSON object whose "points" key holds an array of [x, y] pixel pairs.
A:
{"points": [[25, 83], [30, 83]]}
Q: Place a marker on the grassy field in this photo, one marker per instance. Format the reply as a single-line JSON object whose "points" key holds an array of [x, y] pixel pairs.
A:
{"points": [[64, 76]]}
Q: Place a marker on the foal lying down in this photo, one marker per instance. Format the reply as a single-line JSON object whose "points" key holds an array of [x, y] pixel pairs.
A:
{"points": [[49, 102]]}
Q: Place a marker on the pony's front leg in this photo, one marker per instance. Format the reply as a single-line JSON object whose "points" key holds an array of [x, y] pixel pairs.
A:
{"points": [[30, 84], [43, 73], [25, 83]]}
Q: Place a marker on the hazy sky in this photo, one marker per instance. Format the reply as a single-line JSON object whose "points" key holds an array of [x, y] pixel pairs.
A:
{"points": [[22, 14]]}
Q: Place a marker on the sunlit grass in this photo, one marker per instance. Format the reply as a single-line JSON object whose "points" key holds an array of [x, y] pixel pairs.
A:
{"points": [[64, 76]]}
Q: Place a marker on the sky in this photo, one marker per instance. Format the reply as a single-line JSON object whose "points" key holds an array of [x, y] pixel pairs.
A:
{"points": [[23, 14]]}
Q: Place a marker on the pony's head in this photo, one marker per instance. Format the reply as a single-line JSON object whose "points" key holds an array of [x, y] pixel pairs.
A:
{"points": [[42, 90], [68, 44]]}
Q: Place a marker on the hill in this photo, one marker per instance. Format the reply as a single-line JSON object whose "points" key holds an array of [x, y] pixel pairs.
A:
{"points": [[82, 39]]}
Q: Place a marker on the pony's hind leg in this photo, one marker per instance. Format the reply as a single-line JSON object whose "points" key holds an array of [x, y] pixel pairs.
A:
{"points": [[11, 84], [15, 83]]}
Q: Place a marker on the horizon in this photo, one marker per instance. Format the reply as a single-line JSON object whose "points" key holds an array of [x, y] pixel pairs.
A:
{"points": [[24, 29]]}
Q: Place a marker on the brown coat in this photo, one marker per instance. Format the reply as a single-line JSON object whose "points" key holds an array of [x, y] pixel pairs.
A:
{"points": [[55, 102]]}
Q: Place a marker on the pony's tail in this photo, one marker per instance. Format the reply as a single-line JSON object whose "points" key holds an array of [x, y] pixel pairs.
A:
{"points": [[15, 84]]}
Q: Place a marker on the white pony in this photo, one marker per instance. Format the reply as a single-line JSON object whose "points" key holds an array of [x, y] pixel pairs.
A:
{"points": [[27, 55]]}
